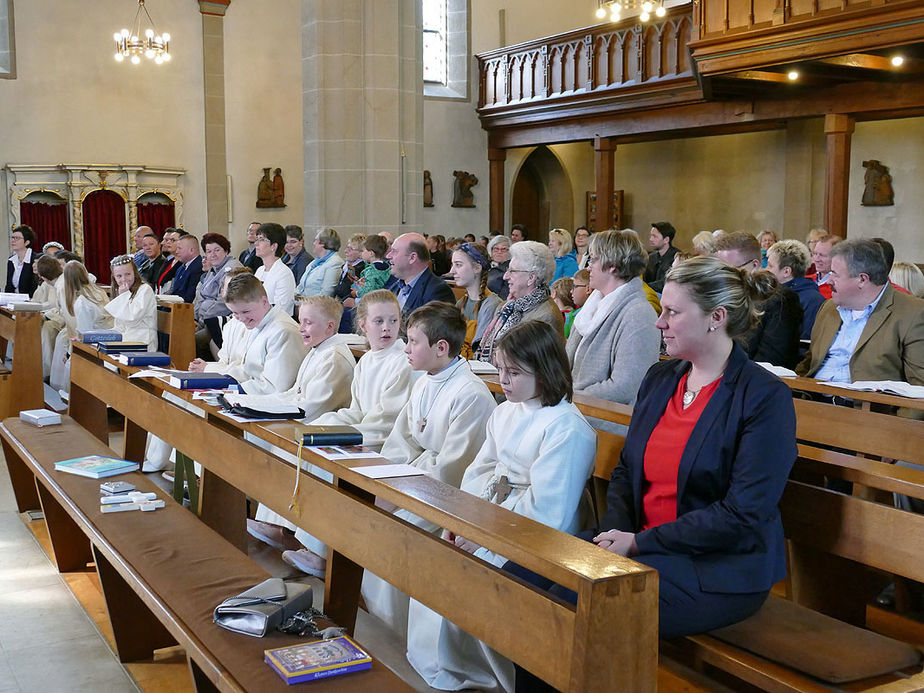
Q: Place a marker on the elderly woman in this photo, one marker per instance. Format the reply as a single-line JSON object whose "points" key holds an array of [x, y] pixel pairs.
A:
{"points": [[209, 305], [613, 339], [322, 275], [562, 249], [499, 250], [528, 274], [708, 453]]}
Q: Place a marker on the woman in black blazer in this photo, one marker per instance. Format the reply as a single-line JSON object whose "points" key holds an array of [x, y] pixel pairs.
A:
{"points": [[21, 241], [707, 455]]}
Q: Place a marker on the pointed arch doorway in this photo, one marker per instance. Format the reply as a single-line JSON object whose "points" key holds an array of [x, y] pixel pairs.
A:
{"points": [[542, 195]]}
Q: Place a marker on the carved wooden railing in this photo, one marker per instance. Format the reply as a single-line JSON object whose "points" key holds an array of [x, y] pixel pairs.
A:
{"points": [[602, 58]]}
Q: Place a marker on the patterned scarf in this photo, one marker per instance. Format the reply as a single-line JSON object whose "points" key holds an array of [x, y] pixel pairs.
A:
{"points": [[510, 316]]}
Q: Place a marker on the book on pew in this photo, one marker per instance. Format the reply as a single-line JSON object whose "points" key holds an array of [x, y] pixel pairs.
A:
{"points": [[331, 435], [40, 417], [317, 660], [96, 466], [120, 347], [8, 297], [25, 306], [144, 358], [201, 381], [889, 387], [91, 336]]}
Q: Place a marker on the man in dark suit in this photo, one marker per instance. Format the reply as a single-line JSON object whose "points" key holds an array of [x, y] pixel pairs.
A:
{"points": [[189, 270], [417, 285], [19, 275], [662, 254], [154, 263], [248, 257]]}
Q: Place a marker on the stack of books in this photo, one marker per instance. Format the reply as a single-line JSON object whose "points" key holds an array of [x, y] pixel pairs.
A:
{"points": [[121, 347], [144, 358]]}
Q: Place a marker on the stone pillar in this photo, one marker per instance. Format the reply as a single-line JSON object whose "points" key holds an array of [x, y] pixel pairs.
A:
{"points": [[838, 129], [604, 148], [496, 158], [213, 71], [362, 90]]}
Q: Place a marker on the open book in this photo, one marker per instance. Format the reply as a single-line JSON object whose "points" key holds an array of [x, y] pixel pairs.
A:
{"points": [[890, 387]]}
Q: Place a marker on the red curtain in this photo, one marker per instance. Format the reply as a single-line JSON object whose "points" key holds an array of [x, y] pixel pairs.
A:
{"points": [[157, 216], [48, 220], [103, 231]]}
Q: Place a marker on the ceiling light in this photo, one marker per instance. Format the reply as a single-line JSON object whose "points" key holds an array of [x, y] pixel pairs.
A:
{"points": [[793, 75], [897, 60], [154, 46]]}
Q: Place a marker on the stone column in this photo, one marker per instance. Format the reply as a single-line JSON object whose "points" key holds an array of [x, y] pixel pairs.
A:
{"points": [[213, 71], [362, 91], [838, 129], [604, 148], [496, 158]]}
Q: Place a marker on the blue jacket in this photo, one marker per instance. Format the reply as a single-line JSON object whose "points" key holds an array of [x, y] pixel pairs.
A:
{"points": [[428, 288], [732, 474], [297, 263], [565, 266], [810, 298], [187, 279]]}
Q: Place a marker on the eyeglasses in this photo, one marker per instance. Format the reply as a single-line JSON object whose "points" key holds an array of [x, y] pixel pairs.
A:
{"points": [[581, 286], [261, 239], [121, 260], [513, 271], [16, 237]]}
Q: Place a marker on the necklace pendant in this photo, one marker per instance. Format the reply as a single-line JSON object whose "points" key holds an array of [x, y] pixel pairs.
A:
{"points": [[422, 425], [688, 398]]}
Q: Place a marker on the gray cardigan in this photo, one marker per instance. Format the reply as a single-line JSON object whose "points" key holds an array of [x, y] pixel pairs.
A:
{"points": [[611, 362]]}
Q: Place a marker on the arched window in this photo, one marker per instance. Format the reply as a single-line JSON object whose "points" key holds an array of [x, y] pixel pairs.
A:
{"points": [[445, 48], [7, 54]]}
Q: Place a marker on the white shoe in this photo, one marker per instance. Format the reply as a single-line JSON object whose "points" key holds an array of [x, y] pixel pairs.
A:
{"points": [[306, 561]]}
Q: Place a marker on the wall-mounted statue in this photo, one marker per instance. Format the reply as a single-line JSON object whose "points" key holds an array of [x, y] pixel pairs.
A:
{"points": [[428, 189], [878, 185], [271, 192], [462, 189]]}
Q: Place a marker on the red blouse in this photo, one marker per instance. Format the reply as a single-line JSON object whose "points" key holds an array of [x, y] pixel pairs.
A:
{"points": [[664, 450]]}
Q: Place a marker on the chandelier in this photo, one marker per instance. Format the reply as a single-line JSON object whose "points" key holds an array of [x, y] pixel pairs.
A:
{"points": [[142, 40], [615, 9]]}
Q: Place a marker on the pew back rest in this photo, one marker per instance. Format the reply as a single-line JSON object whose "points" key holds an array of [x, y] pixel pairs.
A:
{"points": [[177, 322]]}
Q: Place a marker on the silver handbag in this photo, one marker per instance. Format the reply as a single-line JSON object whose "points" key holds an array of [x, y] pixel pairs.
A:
{"points": [[262, 608]]}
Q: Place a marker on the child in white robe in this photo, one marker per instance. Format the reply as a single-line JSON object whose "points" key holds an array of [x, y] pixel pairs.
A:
{"points": [[322, 384], [382, 385], [536, 459], [134, 305], [439, 430], [48, 270]]}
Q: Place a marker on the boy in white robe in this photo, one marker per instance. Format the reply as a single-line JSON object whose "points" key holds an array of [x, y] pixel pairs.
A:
{"points": [[536, 459], [381, 387], [322, 384], [440, 429]]}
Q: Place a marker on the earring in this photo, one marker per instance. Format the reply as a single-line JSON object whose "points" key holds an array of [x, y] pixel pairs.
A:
{"points": [[712, 328]]}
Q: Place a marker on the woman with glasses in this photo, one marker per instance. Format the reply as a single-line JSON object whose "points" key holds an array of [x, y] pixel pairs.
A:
{"points": [[20, 278], [82, 309], [582, 246], [133, 303], [528, 275], [209, 304], [469, 270], [613, 339]]}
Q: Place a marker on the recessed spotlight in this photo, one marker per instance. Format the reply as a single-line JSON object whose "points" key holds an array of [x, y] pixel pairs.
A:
{"points": [[897, 60], [793, 75]]}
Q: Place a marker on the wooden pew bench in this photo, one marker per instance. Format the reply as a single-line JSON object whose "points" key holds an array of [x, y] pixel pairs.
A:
{"points": [[162, 572], [608, 639], [23, 387], [834, 542], [177, 323]]}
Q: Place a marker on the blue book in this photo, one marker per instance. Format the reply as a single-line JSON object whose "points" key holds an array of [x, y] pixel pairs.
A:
{"points": [[96, 466], [91, 336], [201, 381], [144, 358], [121, 347], [319, 659]]}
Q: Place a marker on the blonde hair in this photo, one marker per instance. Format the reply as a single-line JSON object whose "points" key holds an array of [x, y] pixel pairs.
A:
{"points": [[565, 243], [704, 243], [620, 251], [561, 289], [377, 297], [244, 288], [77, 283], [330, 307], [908, 276]]}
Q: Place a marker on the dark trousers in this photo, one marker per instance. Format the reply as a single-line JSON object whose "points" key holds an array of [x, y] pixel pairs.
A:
{"points": [[683, 608]]}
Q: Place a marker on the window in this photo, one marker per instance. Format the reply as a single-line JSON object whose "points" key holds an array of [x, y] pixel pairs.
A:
{"points": [[445, 48], [7, 61]]}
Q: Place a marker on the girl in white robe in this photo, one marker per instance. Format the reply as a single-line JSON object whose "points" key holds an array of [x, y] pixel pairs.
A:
{"points": [[536, 459], [134, 305], [382, 385], [48, 270], [82, 309]]}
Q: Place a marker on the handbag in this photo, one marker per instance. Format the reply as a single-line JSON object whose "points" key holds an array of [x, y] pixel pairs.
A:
{"points": [[262, 608]]}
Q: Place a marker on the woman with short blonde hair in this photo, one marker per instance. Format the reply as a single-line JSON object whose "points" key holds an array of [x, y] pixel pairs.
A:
{"points": [[562, 248]]}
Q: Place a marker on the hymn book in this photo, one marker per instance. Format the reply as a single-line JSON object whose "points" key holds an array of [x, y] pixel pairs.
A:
{"points": [[319, 659]]}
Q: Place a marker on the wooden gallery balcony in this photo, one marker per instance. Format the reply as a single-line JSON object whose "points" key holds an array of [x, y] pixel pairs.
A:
{"points": [[707, 68]]}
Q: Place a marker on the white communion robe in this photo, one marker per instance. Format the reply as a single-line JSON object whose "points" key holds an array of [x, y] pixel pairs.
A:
{"points": [[47, 295], [381, 387], [265, 359], [322, 385], [547, 455], [439, 430], [279, 284], [136, 316], [87, 316]]}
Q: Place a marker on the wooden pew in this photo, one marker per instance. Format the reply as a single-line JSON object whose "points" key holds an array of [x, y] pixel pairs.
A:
{"points": [[161, 572], [834, 541], [22, 388], [177, 321], [609, 637]]}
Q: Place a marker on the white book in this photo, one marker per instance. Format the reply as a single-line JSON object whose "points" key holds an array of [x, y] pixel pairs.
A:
{"points": [[890, 387], [40, 417]]}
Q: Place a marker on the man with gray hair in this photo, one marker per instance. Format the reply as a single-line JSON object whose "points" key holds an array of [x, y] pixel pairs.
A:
{"points": [[868, 331]]}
